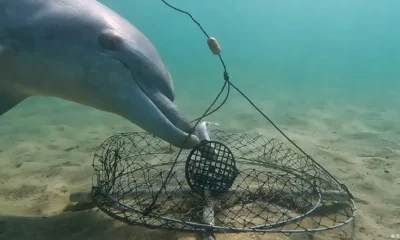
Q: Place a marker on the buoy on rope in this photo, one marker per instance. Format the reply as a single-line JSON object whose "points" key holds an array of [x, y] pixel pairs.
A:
{"points": [[213, 45]]}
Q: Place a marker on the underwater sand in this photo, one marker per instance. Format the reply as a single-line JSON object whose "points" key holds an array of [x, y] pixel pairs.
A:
{"points": [[46, 152]]}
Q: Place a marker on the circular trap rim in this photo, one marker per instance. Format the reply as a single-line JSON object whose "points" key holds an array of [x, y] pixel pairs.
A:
{"points": [[189, 226]]}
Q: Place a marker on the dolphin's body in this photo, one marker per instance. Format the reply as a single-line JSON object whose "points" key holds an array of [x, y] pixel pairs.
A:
{"points": [[82, 51]]}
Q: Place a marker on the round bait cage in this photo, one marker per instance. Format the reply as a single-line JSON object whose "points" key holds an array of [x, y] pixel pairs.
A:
{"points": [[248, 184], [210, 169]]}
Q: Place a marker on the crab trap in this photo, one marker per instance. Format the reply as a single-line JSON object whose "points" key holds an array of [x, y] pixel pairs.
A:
{"points": [[229, 182]]}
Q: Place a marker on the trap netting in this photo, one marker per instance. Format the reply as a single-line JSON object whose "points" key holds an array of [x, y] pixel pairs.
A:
{"points": [[233, 183]]}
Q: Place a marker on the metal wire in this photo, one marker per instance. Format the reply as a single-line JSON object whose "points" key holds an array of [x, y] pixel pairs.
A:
{"points": [[276, 189]]}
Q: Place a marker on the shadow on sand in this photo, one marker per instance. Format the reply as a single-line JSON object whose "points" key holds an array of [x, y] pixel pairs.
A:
{"points": [[83, 222], [85, 225]]}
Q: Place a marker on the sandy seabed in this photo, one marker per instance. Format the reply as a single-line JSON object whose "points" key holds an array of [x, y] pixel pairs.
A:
{"points": [[46, 152]]}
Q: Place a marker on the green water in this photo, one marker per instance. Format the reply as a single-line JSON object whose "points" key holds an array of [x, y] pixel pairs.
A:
{"points": [[309, 51], [326, 72], [286, 56], [301, 62]]}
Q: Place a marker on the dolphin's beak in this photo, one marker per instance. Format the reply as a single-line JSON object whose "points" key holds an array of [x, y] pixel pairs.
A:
{"points": [[179, 125], [158, 115], [154, 92]]}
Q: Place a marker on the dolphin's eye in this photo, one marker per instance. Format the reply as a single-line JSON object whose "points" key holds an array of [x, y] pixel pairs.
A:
{"points": [[110, 41]]}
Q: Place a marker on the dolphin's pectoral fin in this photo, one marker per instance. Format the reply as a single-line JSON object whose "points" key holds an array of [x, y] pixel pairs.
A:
{"points": [[8, 101]]}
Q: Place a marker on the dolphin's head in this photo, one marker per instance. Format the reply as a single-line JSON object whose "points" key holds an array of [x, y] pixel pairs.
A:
{"points": [[108, 64], [147, 94]]}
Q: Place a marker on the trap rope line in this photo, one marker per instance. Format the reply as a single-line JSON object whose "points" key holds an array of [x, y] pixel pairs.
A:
{"points": [[207, 113]]}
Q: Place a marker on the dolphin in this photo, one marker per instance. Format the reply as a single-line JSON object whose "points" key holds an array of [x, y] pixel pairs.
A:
{"points": [[84, 52]]}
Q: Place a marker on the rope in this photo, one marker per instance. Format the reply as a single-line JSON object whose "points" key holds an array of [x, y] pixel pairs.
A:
{"points": [[207, 113]]}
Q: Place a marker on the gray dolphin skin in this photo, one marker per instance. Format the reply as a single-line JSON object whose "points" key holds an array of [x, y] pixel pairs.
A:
{"points": [[82, 51]]}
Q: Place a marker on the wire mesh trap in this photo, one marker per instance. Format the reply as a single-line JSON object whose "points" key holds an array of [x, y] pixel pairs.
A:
{"points": [[230, 182], [248, 184]]}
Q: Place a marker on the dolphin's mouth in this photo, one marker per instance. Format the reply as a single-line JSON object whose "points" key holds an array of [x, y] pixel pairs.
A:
{"points": [[171, 113], [169, 110], [171, 120]]}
